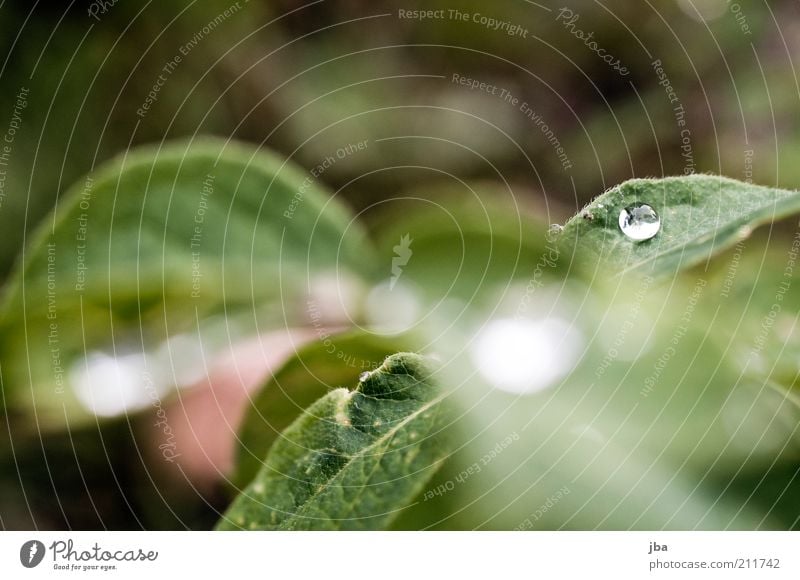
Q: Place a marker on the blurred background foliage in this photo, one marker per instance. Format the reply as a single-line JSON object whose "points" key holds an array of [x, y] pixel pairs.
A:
{"points": [[307, 79]]}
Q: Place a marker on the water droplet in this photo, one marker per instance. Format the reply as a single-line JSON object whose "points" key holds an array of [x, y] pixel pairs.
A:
{"points": [[553, 232], [639, 222]]}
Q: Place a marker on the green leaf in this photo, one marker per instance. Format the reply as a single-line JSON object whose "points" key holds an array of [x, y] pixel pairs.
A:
{"points": [[755, 317], [467, 242], [316, 369], [647, 405], [774, 492], [559, 473], [701, 215], [154, 243], [354, 459]]}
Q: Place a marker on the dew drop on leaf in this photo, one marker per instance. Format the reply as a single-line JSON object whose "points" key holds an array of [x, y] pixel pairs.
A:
{"points": [[639, 222]]}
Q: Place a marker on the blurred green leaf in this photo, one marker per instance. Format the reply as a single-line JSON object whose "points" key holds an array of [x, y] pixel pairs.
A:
{"points": [[773, 492], [756, 311], [354, 459], [467, 242], [648, 407], [562, 474], [155, 242]]}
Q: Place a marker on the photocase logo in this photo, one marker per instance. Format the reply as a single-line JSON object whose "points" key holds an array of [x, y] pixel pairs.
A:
{"points": [[402, 254], [31, 553]]}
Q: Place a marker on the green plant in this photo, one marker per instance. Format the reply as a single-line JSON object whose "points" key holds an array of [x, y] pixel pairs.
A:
{"points": [[576, 377]]}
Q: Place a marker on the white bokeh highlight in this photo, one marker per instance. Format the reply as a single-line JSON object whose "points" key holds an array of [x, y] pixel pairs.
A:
{"points": [[525, 356]]}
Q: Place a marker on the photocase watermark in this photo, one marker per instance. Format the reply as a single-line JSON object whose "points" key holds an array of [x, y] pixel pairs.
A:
{"points": [[168, 447], [82, 234], [183, 51], [99, 8], [548, 259], [523, 106], [548, 133], [633, 312], [738, 249], [31, 553], [402, 254], [547, 505], [473, 469], [768, 321], [680, 332], [67, 557], [748, 165], [196, 239], [488, 22], [318, 170], [95, 558], [325, 336], [6, 147], [733, 268], [739, 15], [679, 112], [568, 18], [53, 340]]}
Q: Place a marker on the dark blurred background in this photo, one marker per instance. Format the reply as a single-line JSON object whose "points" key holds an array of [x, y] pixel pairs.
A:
{"points": [[306, 79]]}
